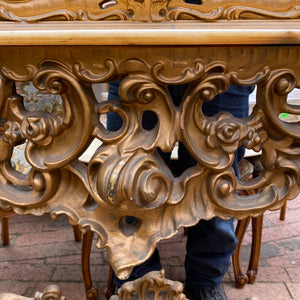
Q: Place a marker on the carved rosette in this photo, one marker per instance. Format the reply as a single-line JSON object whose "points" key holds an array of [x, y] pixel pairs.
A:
{"points": [[137, 200]]}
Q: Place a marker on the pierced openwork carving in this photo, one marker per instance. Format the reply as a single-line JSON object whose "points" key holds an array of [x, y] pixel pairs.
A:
{"points": [[126, 176], [154, 286], [133, 10]]}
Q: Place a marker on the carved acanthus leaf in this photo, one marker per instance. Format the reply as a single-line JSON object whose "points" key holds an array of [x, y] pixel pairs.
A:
{"points": [[126, 177]]}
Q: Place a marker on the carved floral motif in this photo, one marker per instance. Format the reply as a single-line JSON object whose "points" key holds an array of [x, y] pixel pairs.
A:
{"points": [[126, 177]]}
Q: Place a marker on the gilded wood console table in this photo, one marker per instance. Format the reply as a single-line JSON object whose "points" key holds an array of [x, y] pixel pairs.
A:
{"points": [[64, 47]]}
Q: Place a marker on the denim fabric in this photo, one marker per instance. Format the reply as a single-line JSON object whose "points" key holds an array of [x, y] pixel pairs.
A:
{"points": [[114, 121], [211, 243]]}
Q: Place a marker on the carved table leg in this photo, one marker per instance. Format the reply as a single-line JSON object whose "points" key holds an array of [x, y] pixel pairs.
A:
{"points": [[240, 278], [283, 211], [4, 231], [5, 215], [91, 292], [257, 224], [77, 233], [110, 289]]}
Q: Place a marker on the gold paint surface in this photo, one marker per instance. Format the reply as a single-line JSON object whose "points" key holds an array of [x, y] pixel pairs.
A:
{"points": [[65, 47], [51, 292]]}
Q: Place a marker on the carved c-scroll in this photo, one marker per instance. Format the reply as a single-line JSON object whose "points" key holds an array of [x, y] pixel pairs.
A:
{"points": [[46, 132], [148, 10], [126, 177]]}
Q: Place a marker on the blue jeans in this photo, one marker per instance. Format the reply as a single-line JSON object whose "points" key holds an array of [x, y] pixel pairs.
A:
{"points": [[211, 243]]}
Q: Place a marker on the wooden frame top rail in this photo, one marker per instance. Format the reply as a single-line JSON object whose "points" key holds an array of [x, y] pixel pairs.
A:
{"points": [[184, 33]]}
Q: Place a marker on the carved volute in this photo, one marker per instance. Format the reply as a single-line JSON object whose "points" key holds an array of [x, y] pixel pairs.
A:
{"points": [[64, 47]]}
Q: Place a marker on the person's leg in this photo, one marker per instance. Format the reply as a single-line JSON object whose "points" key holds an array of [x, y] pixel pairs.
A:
{"points": [[210, 244], [114, 121]]}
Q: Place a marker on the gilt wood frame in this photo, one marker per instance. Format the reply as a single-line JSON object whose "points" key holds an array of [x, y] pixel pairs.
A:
{"points": [[66, 46]]}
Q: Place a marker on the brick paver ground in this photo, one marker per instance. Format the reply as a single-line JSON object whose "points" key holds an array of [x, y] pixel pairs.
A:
{"points": [[43, 251]]}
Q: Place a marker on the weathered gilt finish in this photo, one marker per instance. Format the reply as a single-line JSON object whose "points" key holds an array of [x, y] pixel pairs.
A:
{"points": [[64, 47], [52, 292], [153, 283], [157, 11]]}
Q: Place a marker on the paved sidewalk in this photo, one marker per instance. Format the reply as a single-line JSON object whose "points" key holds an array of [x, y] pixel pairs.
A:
{"points": [[43, 251]]}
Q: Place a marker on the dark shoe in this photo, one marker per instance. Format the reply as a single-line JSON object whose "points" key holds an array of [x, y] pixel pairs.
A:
{"points": [[206, 294]]}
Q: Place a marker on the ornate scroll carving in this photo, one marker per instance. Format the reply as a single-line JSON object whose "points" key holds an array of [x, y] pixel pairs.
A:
{"points": [[127, 193], [137, 200], [147, 10], [234, 10], [51, 292], [154, 286], [43, 130]]}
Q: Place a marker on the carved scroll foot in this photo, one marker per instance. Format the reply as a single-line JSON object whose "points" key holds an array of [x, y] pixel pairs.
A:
{"points": [[241, 278], [257, 224], [91, 293], [52, 292], [154, 286]]}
